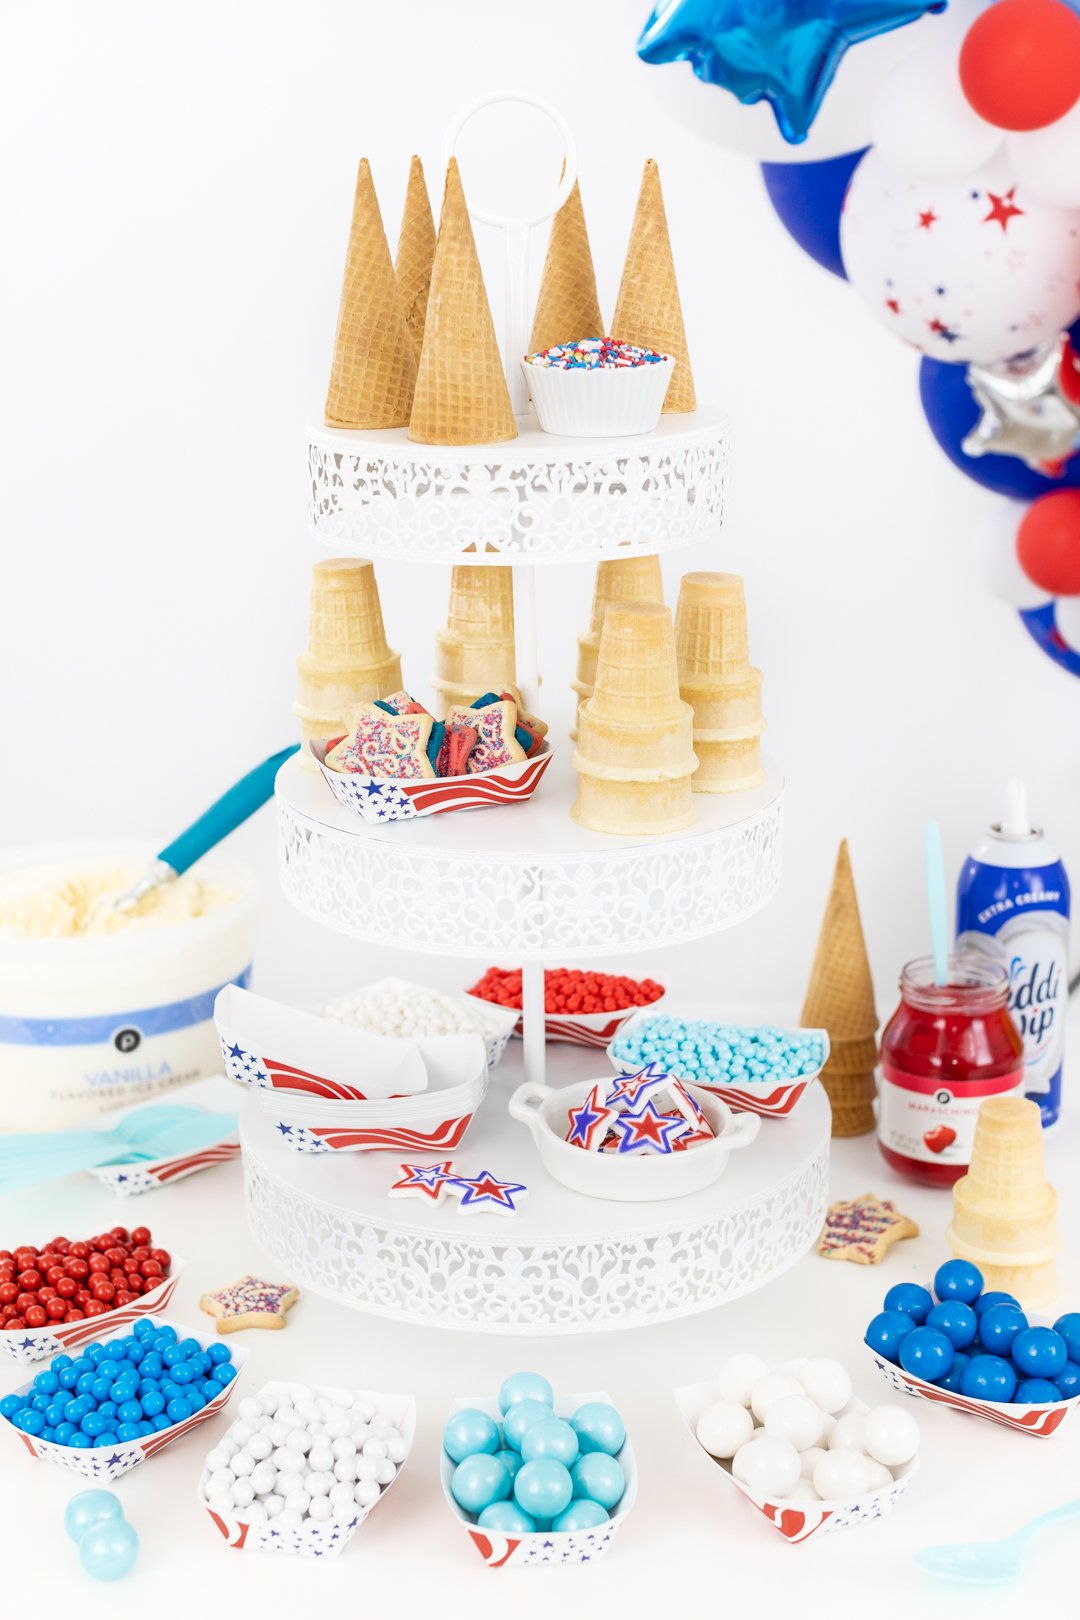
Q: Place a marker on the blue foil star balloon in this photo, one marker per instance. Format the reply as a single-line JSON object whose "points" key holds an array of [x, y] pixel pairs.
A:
{"points": [[781, 51]]}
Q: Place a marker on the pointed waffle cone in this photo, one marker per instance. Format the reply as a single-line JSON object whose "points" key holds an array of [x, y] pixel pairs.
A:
{"points": [[374, 368], [840, 996], [636, 677], [1005, 1212], [461, 394], [727, 766], [648, 311], [345, 625], [415, 254], [567, 307]]}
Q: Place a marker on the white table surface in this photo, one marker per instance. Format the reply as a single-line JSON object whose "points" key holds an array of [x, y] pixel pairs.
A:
{"points": [[691, 1543]]}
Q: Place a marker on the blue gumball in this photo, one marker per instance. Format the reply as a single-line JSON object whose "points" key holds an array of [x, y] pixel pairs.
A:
{"points": [[1000, 1328], [912, 1299], [89, 1508], [598, 1427], [108, 1549], [958, 1323], [1039, 1352], [887, 1332], [598, 1478], [951, 410], [807, 199], [511, 1460], [468, 1432], [1068, 1326], [958, 1280], [1037, 1392], [992, 1297], [525, 1386], [926, 1353], [543, 1488], [520, 1417], [551, 1438], [955, 1373], [10, 1405], [988, 1378], [506, 1516], [1068, 1380], [479, 1481], [581, 1515]]}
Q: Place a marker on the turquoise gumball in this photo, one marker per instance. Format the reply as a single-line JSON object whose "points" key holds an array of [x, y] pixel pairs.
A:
{"points": [[108, 1549], [543, 1488], [598, 1478], [478, 1481], [511, 1461], [522, 1417], [582, 1515], [525, 1386], [598, 1428], [551, 1438], [506, 1516], [469, 1432], [89, 1508]]}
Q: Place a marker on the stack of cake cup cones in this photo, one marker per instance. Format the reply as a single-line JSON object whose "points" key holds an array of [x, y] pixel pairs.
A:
{"points": [[840, 999], [718, 681], [475, 652], [635, 752], [1005, 1212], [567, 308], [415, 254], [624, 579], [648, 310], [347, 660]]}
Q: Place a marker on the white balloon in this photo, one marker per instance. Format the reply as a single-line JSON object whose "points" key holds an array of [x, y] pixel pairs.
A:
{"points": [[1047, 161], [963, 269], [996, 555], [1067, 619], [923, 124]]}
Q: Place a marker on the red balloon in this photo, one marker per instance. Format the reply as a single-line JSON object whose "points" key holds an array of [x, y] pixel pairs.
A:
{"points": [[1048, 542], [1020, 63]]}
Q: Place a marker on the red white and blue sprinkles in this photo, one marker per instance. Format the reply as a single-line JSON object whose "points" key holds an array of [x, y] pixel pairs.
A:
{"points": [[595, 354]]}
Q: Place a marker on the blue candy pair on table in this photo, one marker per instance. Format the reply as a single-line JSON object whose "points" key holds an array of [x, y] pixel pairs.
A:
{"points": [[123, 1390], [108, 1546], [977, 1343]]}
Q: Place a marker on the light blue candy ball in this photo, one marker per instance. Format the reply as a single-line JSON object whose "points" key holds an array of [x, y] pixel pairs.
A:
{"points": [[599, 1478], [511, 1460], [551, 1438], [520, 1417], [469, 1432], [598, 1428], [581, 1515], [89, 1508], [543, 1488], [506, 1516], [525, 1386], [479, 1481], [108, 1549]]}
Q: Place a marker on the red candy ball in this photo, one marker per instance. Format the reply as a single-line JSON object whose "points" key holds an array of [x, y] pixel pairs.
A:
{"points": [[67, 1282], [1048, 540], [1020, 63]]}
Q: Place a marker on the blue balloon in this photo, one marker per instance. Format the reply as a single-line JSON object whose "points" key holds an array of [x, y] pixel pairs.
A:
{"points": [[951, 411], [108, 1549], [807, 199]]}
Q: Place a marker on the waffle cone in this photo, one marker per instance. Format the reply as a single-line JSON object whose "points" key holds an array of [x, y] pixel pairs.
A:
{"points": [[636, 677], [623, 579], [729, 766], [638, 809], [852, 1057], [1005, 1212], [345, 623], [415, 253], [648, 310], [840, 996], [481, 605], [461, 394], [374, 368], [857, 1120], [567, 307], [629, 750]]}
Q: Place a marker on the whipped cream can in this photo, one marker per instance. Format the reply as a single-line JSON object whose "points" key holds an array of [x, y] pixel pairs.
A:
{"points": [[1012, 901]]}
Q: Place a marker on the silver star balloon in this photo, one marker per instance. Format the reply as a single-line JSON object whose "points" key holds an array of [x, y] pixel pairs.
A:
{"points": [[1025, 412]]}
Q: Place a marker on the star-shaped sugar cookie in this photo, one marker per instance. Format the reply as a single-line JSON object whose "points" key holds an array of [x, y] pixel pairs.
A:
{"points": [[863, 1230], [250, 1303]]}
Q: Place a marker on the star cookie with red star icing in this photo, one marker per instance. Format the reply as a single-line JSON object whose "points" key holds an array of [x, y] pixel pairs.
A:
{"points": [[422, 1181], [483, 1193]]}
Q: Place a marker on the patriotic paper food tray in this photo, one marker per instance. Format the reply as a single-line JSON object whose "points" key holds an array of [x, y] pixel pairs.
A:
{"points": [[1038, 1421], [797, 1521], [771, 1099], [103, 1463], [128, 1180], [329, 1538], [535, 1548], [382, 798], [501, 1019], [579, 1029], [28, 1345]]}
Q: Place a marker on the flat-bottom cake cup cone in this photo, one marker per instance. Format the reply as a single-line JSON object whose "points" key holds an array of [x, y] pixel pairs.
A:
{"points": [[1005, 1212], [621, 579], [636, 809], [348, 660], [336, 689], [475, 651], [727, 766], [636, 677], [718, 681]]}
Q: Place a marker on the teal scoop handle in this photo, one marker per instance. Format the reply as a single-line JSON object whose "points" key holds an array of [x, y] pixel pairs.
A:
{"points": [[225, 814]]}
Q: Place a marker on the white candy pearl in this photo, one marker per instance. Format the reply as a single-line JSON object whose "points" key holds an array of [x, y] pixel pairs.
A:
{"points": [[279, 1433], [770, 1389], [299, 1440], [366, 1493], [243, 1493], [289, 1482], [242, 1432], [386, 1472], [342, 1497], [298, 1502], [345, 1469], [264, 1478], [222, 1479], [249, 1408], [242, 1464], [381, 1427], [268, 1403], [321, 1508], [260, 1446], [848, 1433], [890, 1435], [364, 1409], [321, 1458], [289, 1519], [795, 1418], [842, 1475], [318, 1484], [396, 1448], [344, 1446], [723, 1427], [737, 1377], [360, 1432], [375, 1448], [228, 1445], [273, 1504], [218, 1458], [256, 1513], [768, 1467], [809, 1459], [879, 1475], [366, 1468], [222, 1501], [827, 1383]]}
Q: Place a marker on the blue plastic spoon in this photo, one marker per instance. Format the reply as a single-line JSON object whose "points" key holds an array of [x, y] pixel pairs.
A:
{"points": [[990, 1561]]}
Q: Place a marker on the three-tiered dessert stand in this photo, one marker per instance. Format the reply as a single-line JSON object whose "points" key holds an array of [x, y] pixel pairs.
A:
{"points": [[525, 884]]}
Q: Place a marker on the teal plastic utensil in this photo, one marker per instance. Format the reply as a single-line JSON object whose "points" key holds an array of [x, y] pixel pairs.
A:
{"points": [[223, 817], [939, 905], [158, 1131], [990, 1562]]}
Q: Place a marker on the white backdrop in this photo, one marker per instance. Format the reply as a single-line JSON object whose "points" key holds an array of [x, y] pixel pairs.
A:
{"points": [[175, 196]]}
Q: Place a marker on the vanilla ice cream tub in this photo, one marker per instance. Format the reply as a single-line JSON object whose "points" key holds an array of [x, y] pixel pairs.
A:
{"points": [[100, 1009]]}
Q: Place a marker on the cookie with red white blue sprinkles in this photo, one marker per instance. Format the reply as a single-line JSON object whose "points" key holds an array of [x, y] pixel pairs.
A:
{"points": [[495, 726], [484, 1194], [250, 1303], [384, 745], [424, 1181]]}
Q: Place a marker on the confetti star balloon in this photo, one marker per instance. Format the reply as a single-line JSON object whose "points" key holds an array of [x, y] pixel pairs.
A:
{"points": [[966, 269]]}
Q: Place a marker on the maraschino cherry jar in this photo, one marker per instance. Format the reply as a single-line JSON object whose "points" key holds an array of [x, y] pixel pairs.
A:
{"points": [[945, 1049]]}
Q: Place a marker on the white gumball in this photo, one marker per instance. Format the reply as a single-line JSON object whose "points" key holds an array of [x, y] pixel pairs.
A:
{"points": [[396, 1447], [249, 1407], [298, 1502], [375, 1448], [242, 1464], [809, 1459], [268, 1403], [879, 1475], [827, 1383], [273, 1504], [366, 1493], [342, 1498], [890, 1435], [289, 1519], [264, 1477], [222, 1479], [848, 1433], [737, 1377], [345, 1469], [797, 1419], [842, 1476], [775, 1386], [260, 1446], [285, 1460], [366, 1468], [344, 1446], [218, 1458], [385, 1471], [255, 1513], [803, 1491], [222, 1501], [321, 1508], [242, 1432], [723, 1427], [321, 1458], [318, 1484], [243, 1493], [768, 1467]]}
